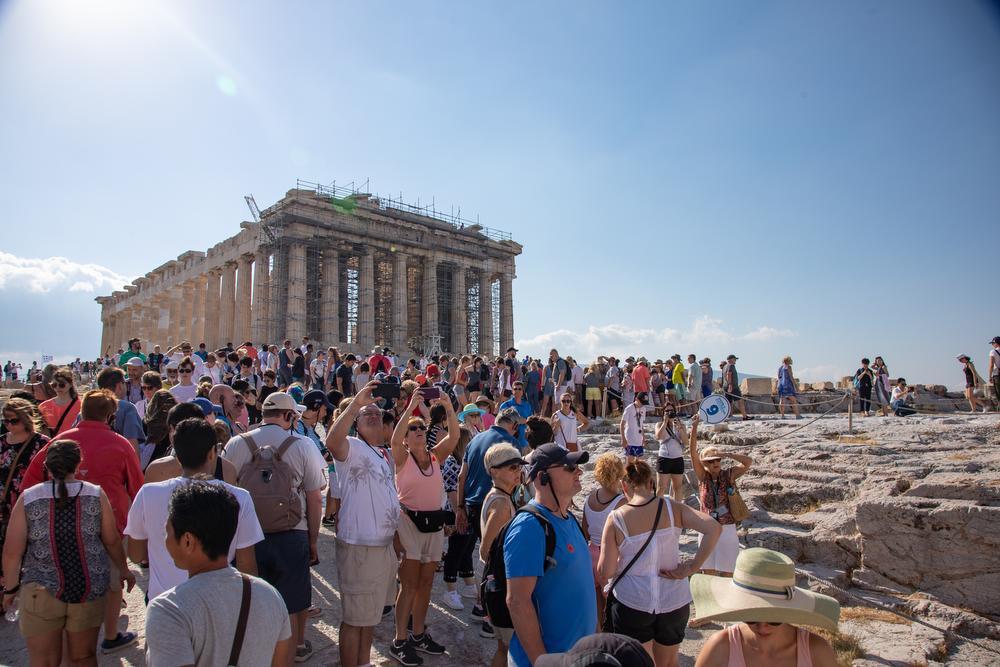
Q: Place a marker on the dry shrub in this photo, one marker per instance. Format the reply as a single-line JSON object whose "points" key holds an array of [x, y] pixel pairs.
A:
{"points": [[846, 646], [869, 614]]}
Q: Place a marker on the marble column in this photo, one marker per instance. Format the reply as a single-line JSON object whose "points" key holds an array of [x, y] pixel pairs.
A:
{"points": [[106, 325], [198, 316], [244, 286], [400, 312], [460, 312], [227, 304], [486, 343], [173, 329], [430, 299], [329, 305], [278, 307], [506, 311], [115, 331], [211, 309], [296, 321], [261, 298], [187, 313], [366, 303]]}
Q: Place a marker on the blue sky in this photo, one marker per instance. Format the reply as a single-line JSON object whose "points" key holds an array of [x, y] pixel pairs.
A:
{"points": [[771, 178]]}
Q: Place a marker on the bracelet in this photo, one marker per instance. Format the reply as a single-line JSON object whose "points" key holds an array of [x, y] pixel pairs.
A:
{"points": [[11, 591]]}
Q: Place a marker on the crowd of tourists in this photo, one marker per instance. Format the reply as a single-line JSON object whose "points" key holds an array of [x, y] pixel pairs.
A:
{"points": [[220, 472]]}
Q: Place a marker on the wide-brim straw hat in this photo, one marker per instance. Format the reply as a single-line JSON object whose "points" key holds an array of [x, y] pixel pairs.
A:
{"points": [[762, 589], [711, 454]]}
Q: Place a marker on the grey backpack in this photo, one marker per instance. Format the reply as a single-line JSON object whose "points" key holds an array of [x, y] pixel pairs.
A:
{"points": [[269, 479]]}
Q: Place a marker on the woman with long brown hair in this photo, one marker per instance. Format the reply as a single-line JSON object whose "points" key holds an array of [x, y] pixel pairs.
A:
{"points": [[61, 411], [17, 447], [157, 431]]}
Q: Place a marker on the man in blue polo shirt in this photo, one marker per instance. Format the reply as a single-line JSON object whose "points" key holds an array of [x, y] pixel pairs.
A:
{"points": [[551, 608], [523, 407]]}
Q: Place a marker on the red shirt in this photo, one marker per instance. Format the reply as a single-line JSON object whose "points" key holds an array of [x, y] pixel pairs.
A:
{"points": [[108, 460], [640, 378]]}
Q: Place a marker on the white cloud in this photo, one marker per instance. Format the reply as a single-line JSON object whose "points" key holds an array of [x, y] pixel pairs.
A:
{"points": [[621, 340], [56, 273]]}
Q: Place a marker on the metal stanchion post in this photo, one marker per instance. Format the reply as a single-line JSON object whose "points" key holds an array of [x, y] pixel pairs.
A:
{"points": [[850, 412]]}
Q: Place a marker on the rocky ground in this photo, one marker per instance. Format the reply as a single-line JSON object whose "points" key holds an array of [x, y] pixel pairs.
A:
{"points": [[902, 513]]}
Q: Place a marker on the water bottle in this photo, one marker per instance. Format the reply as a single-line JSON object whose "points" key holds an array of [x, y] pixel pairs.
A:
{"points": [[13, 613]]}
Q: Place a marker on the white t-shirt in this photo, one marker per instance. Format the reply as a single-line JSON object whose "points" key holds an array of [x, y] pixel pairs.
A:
{"points": [[184, 394], [318, 369], [632, 420], [565, 430], [369, 503], [995, 356], [577, 375], [147, 520], [897, 394], [194, 623], [307, 464]]}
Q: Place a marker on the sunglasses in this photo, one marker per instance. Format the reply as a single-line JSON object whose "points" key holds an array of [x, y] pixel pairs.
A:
{"points": [[417, 427], [185, 371], [147, 387], [10, 422], [566, 402], [59, 385], [517, 389], [568, 467], [513, 466]]}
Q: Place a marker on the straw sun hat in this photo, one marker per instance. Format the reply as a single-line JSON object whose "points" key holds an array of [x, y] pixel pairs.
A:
{"points": [[762, 589], [711, 454]]}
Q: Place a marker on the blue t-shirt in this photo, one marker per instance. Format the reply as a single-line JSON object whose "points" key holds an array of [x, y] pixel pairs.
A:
{"points": [[127, 422], [524, 409], [564, 597], [477, 480]]}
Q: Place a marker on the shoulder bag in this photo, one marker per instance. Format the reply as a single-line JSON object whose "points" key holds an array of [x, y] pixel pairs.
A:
{"points": [[241, 624]]}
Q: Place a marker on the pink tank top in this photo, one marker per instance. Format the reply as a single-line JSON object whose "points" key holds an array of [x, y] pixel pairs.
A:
{"points": [[421, 490], [803, 658]]}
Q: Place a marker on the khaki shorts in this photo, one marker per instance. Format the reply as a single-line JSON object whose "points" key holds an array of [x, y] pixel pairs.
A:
{"points": [[41, 612], [425, 547], [367, 578]]}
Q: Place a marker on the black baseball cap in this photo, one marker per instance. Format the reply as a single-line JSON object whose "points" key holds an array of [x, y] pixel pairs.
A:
{"points": [[316, 398], [996, 340], [600, 650], [551, 455], [512, 349]]}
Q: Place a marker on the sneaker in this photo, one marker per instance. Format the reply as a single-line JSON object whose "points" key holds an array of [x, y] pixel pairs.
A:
{"points": [[304, 651], [470, 591], [478, 613], [329, 521], [121, 641], [404, 653], [486, 630], [387, 610], [452, 600], [313, 612], [426, 644]]}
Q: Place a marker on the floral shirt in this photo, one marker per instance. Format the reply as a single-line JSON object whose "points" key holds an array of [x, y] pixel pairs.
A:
{"points": [[714, 496], [8, 452]]}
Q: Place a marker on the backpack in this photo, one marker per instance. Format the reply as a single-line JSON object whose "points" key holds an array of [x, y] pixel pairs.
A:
{"points": [[268, 479], [493, 588]]}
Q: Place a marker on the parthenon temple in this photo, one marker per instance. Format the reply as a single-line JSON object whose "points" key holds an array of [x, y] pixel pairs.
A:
{"points": [[346, 268]]}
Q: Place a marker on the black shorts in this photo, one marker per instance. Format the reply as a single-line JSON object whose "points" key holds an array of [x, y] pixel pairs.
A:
{"points": [[666, 629], [734, 395], [666, 466], [283, 562]]}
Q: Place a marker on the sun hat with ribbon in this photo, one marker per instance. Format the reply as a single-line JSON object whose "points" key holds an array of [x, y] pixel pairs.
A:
{"points": [[470, 409], [762, 589]]}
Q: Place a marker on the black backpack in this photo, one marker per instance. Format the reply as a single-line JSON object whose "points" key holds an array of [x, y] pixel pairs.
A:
{"points": [[493, 588]]}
